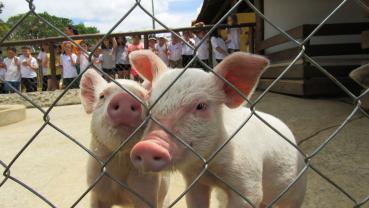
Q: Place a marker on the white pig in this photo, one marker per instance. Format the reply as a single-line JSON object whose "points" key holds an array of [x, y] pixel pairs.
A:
{"points": [[115, 115], [204, 112], [361, 76]]}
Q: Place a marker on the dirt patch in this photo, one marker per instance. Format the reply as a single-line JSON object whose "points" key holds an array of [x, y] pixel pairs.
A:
{"points": [[42, 99]]}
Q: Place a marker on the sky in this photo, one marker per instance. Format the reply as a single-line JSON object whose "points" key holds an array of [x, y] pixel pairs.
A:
{"points": [[103, 14]]}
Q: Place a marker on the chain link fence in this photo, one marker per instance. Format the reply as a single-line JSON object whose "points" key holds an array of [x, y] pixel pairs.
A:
{"points": [[137, 5]]}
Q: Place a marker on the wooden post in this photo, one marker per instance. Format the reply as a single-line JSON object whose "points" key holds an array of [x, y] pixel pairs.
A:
{"points": [[52, 65], [251, 36], [211, 64], [146, 41], [259, 31], [365, 39], [39, 75]]}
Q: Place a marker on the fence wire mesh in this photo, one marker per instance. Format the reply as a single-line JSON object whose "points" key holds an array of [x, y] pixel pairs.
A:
{"points": [[253, 104]]}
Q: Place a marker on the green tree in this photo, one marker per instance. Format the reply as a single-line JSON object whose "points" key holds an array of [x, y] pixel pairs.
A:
{"points": [[4, 28], [82, 29], [33, 28]]}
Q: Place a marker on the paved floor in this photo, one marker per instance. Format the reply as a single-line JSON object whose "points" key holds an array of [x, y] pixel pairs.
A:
{"points": [[55, 166]]}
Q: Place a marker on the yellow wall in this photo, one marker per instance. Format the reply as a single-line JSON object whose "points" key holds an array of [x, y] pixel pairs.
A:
{"points": [[243, 18]]}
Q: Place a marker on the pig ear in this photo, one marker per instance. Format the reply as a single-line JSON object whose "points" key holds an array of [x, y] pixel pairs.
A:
{"points": [[147, 64], [361, 75], [91, 84], [243, 70]]}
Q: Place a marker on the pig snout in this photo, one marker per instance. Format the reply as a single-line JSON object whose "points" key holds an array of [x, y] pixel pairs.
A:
{"points": [[125, 110], [150, 156]]}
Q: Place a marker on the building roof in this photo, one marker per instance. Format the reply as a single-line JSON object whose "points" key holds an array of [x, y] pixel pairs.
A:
{"points": [[213, 10]]}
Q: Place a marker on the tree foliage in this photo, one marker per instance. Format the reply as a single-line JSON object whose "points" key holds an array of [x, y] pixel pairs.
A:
{"points": [[34, 28], [4, 28]]}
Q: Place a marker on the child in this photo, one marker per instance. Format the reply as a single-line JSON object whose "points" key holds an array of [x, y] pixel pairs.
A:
{"points": [[69, 61], [162, 49], [136, 45], [187, 51], [122, 64], [58, 66], [43, 57], [13, 74], [108, 50], [2, 74], [152, 43], [175, 53], [96, 57], [70, 30], [203, 50], [28, 68], [234, 33], [83, 57], [219, 46]]}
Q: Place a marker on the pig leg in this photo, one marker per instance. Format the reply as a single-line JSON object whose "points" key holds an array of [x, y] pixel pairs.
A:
{"points": [[97, 203], [199, 194], [253, 193], [99, 198], [235, 200], [163, 190], [147, 186]]}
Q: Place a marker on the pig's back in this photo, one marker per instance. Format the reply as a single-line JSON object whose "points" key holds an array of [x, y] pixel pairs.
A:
{"points": [[255, 131], [256, 139]]}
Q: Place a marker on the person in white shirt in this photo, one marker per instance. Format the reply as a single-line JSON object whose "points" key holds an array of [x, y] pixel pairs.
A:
{"points": [[122, 64], [43, 57], [152, 43], [162, 50], [109, 47], [175, 53], [234, 33], [219, 46], [203, 49], [69, 61], [96, 57], [12, 74], [82, 58], [28, 68], [187, 51], [2, 74]]}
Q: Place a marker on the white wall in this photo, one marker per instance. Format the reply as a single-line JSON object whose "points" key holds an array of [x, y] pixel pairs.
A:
{"points": [[288, 14]]}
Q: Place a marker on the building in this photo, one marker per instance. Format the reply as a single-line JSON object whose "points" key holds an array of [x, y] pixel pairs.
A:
{"points": [[336, 46]]}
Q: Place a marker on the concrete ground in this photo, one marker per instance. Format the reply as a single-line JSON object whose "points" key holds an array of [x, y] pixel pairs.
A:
{"points": [[55, 166]]}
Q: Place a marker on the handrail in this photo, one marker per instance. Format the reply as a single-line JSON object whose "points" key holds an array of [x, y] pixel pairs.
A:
{"points": [[96, 36]]}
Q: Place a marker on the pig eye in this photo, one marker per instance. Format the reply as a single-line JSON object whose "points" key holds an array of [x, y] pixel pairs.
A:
{"points": [[201, 107], [102, 96]]}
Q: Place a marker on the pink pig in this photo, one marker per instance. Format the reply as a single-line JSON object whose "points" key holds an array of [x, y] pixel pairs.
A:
{"points": [[115, 115], [204, 112]]}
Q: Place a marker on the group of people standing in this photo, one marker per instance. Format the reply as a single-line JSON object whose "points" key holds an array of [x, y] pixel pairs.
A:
{"points": [[16, 70], [112, 57], [177, 53]]}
